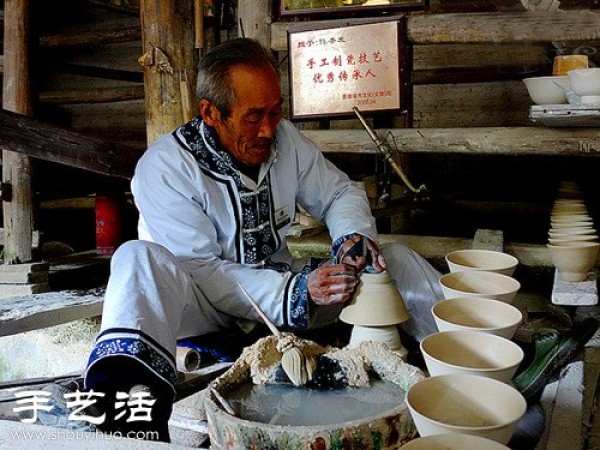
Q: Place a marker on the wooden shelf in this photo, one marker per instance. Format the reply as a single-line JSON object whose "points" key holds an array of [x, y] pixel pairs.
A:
{"points": [[579, 142]]}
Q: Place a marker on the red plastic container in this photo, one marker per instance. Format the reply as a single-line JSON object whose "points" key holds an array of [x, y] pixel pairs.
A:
{"points": [[108, 224]]}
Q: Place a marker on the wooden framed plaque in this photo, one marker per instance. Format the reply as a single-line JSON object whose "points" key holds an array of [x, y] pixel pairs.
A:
{"points": [[333, 70]]}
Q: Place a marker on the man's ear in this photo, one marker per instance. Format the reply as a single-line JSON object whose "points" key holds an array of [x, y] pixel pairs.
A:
{"points": [[209, 112]]}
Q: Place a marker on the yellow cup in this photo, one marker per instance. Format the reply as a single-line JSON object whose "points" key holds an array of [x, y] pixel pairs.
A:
{"points": [[564, 63]]}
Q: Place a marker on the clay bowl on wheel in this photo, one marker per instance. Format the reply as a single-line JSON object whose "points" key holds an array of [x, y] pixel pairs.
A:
{"points": [[485, 315], [466, 404], [479, 283], [471, 353], [475, 259]]}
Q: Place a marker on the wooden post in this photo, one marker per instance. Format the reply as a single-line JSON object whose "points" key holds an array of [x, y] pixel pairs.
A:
{"points": [[16, 168], [168, 39], [256, 20]]}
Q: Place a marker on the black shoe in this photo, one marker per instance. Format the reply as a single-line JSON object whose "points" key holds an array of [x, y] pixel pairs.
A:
{"points": [[553, 351]]}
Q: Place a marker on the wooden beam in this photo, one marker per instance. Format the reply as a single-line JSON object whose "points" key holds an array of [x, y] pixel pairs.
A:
{"points": [[169, 56], [16, 168], [34, 138], [581, 142], [123, 30], [495, 28], [97, 95], [489, 28], [255, 20]]}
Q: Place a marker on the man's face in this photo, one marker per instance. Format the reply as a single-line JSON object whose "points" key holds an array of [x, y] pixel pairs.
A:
{"points": [[249, 130]]}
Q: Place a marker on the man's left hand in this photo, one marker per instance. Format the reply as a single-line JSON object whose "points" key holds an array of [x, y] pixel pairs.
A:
{"points": [[359, 251]]}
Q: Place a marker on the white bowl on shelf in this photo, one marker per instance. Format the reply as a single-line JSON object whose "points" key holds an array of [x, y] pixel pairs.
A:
{"points": [[471, 353], [453, 441], [466, 404], [477, 259], [484, 315], [549, 90], [479, 283], [585, 82]]}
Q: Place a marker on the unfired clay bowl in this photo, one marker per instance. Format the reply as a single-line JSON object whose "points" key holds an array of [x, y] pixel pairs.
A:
{"points": [[453, 441], [572, 231], [479, 283], [573, 238], [548, 90], [581, 223], [466, 404], [471, 353], [570, 217], [485, 315], [574, 259], [585, 81], [475, 259]]}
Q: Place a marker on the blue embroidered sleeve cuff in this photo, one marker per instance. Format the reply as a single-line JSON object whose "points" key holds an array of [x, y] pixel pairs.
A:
{"points": [[335, 247], [299, 309]]}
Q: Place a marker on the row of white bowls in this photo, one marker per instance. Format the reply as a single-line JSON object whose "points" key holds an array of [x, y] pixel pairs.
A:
{"points": [[552, 90], [471, 360]]}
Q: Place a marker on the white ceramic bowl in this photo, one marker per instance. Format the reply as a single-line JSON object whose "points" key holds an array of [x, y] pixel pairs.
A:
{"points": [[562, 225], [453, 441], [574, 259], [567, 218], [471, 353], [585, 82], [547, 90], [570, 231], [475, 259], [465, 404], [573, 238], [485, 315], [479, 283]]}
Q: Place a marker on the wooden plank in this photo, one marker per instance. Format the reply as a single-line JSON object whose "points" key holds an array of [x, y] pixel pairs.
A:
{"points": [[582, 142], [94, 34], [16, 168], [453, 56], [40, 140], [13, 290], [22, 278], [98, 95], [430, 247], [32, 312], [475, 28], [255, 20]]}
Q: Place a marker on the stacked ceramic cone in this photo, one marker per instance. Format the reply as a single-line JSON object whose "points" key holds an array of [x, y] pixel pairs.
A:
{"points": [[375, 310], [572, 238], [472, 355]]}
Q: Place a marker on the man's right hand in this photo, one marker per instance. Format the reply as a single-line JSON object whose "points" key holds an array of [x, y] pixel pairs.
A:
{"points": [[331, 284]]}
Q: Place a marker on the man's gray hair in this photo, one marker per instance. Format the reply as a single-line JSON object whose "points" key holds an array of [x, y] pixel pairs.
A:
{"points": [[214, 81]]}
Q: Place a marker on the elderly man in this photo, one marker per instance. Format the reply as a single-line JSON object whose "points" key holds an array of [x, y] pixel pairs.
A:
{"points": [[216, 198]]}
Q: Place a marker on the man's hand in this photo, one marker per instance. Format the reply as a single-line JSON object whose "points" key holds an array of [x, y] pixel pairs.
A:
{"points": [[330, 284], [359, 251]]}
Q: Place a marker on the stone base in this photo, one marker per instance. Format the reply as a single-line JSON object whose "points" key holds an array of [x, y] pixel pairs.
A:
{"points": [[581, 293]]}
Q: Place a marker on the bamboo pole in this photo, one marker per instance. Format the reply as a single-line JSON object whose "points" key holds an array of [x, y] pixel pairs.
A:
{"points": [[16, 168]]}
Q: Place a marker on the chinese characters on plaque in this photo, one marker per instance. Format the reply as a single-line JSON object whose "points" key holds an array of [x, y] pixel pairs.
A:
{"points": [[334, 70]]}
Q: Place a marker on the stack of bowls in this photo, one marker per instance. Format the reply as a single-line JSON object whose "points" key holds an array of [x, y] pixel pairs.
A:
{"points": [[572, 238], [472, 359]]}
